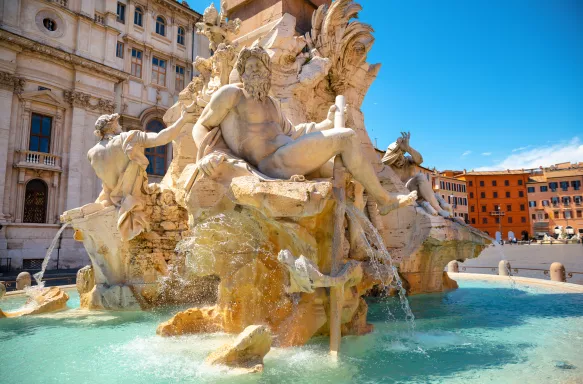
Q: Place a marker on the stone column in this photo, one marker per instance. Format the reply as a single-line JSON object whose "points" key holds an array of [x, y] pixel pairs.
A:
{"points": [[9, 84]]}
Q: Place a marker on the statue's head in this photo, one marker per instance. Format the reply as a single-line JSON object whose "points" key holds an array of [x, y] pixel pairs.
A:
{"points": [[395, 156], [107, 124], [254, 67]]}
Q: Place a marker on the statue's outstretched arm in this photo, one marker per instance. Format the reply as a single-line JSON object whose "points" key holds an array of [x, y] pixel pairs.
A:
{"points": [[168, 134], [415, 156], [306, 128]]}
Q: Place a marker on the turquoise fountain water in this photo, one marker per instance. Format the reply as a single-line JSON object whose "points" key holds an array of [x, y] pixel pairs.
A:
{"points": [[482, 332]]}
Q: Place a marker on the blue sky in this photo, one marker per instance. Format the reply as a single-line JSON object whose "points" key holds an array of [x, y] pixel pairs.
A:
{"points": [[480, 84]]}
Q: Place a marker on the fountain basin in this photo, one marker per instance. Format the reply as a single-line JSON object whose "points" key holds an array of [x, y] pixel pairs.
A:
{"points": [[488, 330]]}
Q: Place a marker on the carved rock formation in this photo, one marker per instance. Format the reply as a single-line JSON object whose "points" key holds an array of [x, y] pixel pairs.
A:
{"points": [[45, 300], [246, 352]]}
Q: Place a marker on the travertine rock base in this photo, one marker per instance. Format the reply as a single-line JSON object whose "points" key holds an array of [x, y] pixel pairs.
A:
{"points": [[47, 300], [246, 352]]}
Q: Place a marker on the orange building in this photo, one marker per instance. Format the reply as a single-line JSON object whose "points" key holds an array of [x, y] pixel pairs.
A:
{"points": [[498, 202], [454, 191], [555, 199]]}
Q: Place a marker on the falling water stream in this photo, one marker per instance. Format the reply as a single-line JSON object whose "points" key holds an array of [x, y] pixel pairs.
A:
{"points": [[39, 275], [378, 253], [500, 250]]}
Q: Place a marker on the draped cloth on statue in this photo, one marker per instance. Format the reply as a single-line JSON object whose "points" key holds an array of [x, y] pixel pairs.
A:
{"points": [[129, 195]]}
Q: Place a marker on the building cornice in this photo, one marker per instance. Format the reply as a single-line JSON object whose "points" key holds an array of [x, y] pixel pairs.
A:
{"points": [[179, 8], [83, 100], [12, 83], [33, 46]]}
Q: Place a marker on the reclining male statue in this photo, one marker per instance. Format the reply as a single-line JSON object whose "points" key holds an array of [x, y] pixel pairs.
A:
{"points": [[404, 167], [255, 130]]}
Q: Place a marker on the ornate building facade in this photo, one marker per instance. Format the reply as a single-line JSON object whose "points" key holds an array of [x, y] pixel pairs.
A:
{"points": [[62, 64]]}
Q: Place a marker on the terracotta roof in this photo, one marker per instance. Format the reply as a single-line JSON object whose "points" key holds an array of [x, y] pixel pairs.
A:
{"points": [[494, 173], [563, 173]]}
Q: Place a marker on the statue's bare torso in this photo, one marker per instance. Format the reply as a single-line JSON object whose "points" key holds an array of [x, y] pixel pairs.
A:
{"points": [[252, 128]]}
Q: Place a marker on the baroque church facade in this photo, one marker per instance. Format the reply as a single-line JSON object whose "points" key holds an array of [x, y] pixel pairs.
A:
{"points": [[63, 63]]}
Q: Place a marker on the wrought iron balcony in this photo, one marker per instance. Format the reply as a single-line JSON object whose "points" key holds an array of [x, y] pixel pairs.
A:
{"points": [[38, 160]]}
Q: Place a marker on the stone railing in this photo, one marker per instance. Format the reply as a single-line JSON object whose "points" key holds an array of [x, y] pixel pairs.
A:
{"points": [[64, 3], [32, 159]]}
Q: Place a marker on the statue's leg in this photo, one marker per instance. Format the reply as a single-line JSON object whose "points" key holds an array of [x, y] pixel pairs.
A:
{"points": [[425, 192], [310, 152], [444, 205]]}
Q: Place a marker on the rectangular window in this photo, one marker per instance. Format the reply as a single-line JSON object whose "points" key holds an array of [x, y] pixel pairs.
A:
{"points": [[553, 187], [566, 201], [544, 188], [40, 133], [530, 189], [119, 50], [523, 219], [579, 214], [485, 220], [546, 216], [473, 220], [497, 220], [493, 183], [506, 183], [532, 204], [495, 195], [567, 214], [507, 194], [472, 208], [121, 13], [471, 195], [471, 183], [509, 220], [555, 201], [522, 207], [519, 182], [179, 78], [555, 214], [509, 207], [576, 184], [578, 200], [545, 203], [564, 185], [483, 208], [482, 183], [158, 71], [520, 193], [136, 63], [448, 186], [483, 195], [533, 216]]}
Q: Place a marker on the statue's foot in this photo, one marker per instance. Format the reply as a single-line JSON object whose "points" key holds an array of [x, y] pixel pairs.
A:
{"points": [[398, 201], [428, 208]]}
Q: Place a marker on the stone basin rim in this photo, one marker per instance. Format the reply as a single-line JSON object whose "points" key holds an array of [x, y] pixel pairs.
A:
{"points": [[555, 285]]}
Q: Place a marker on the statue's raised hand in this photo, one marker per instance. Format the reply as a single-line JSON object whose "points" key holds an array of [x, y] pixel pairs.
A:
{"points": [[329, 122], [403, 141], [210, 163]]}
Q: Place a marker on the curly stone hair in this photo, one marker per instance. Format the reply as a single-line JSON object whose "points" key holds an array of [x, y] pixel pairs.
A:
{"points": [[103, 123], [247, 53]]}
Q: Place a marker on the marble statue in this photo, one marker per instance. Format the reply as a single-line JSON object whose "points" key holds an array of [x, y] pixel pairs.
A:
{"points": [[404, 167], [306, 277], [118, 160], [254, 129], [215, 26]]}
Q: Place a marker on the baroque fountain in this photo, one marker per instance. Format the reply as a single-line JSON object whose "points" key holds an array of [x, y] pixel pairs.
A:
{"points": [[264, 225]]}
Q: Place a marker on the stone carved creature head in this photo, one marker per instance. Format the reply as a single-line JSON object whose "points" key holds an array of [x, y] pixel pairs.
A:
{"points": [[254, 68], [107, 124]]}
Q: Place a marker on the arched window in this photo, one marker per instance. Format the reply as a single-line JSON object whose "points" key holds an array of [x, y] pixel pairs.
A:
{"points": [[161, 26], [35, 202], [157, 155], [180, 36], [138, 15]]}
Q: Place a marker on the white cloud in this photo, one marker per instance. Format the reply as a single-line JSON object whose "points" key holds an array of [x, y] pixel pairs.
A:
{"points": [[521, 148], [486, 153], [466, 153], [545, 156]]}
